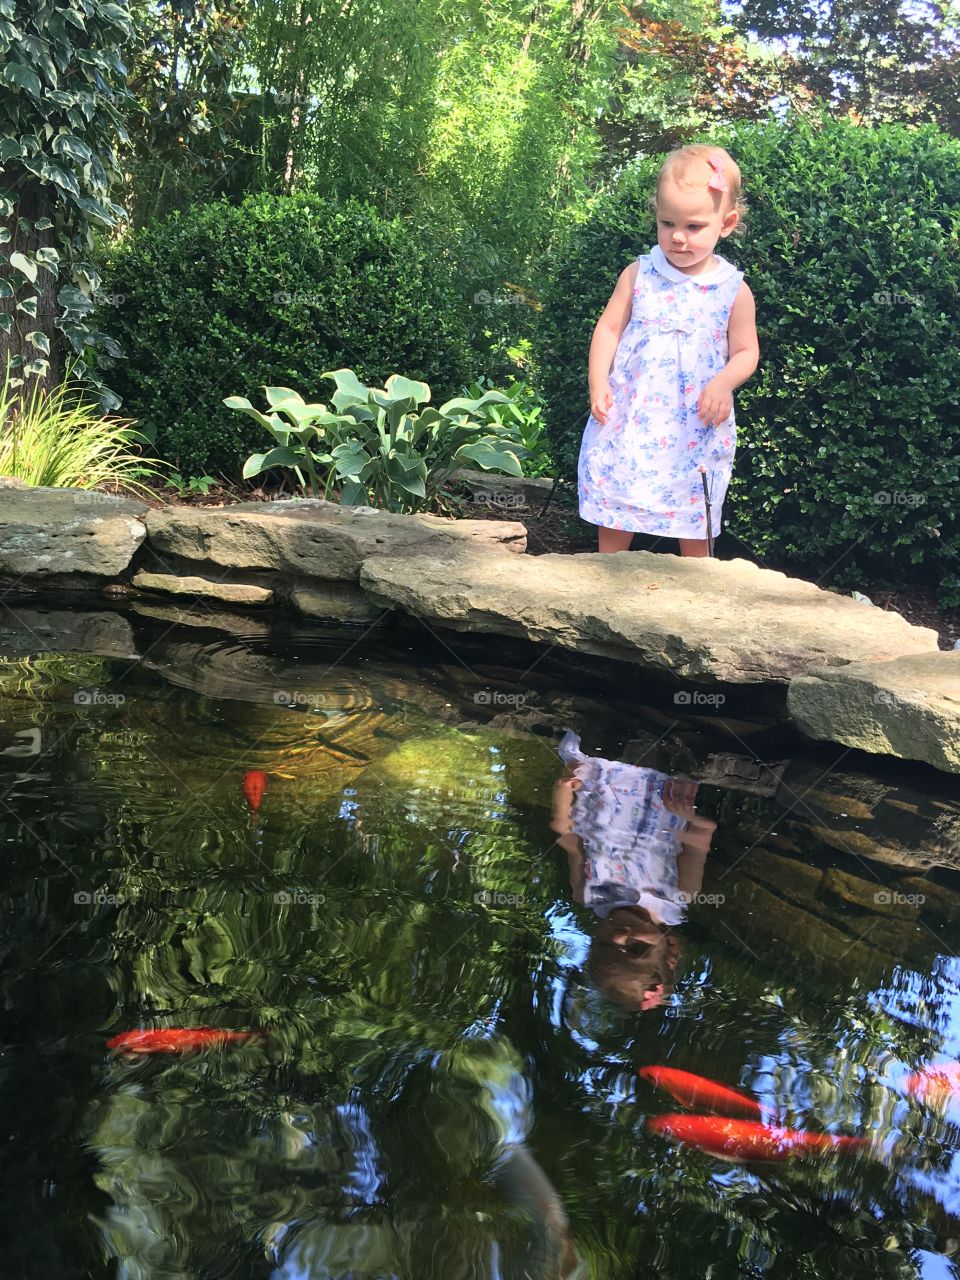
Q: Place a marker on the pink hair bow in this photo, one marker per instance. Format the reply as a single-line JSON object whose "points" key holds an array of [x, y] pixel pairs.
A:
{"points": [[717, 181]]}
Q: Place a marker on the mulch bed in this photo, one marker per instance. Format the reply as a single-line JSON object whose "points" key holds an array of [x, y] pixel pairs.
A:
{"points": [[558, 529]]}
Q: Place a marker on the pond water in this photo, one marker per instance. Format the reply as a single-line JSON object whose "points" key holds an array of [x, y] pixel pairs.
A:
{"points": [[406, 863]]}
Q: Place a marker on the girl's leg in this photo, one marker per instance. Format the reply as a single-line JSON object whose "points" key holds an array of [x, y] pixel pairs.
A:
{"points": [[614, 539], [693, 547]]}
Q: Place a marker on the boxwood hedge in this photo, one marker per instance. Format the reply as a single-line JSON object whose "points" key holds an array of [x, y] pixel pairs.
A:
{"points": [[849, 431], [274, 291]]}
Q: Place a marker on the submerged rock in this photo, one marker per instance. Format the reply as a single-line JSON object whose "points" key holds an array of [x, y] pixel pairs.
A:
{"points": [[699, 619], [907, 707]]}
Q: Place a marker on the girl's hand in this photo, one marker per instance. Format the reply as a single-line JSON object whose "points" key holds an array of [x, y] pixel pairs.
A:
{"points": [[716, 401], [601, 401]]}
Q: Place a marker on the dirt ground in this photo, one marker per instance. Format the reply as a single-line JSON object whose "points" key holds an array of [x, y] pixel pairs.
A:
{"points": [[557, 528]]}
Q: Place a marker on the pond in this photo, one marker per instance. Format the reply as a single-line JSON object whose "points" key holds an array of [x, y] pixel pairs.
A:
{"points": [[389, 858]]}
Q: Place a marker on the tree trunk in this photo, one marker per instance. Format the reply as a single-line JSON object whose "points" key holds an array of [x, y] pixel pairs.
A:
{"points": [[31, 203]]}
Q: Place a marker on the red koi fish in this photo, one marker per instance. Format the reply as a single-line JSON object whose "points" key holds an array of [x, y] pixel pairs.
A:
{"points": [[936, 1083], [178, 1039], [747, 1140], [254, 785], [696, 1091]]}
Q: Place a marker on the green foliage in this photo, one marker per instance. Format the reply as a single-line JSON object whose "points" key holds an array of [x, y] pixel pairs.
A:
{"points": [[195, 485], [849, 432], [183, 118], [60, 87], [271, 292], [377, 444], [522, 412], [61, 440]]}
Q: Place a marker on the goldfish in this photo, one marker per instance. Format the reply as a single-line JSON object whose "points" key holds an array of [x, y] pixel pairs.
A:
{"points": [[254, 785], [696, 1091], [178, 1039], [935, 1083], [747, 1140]]}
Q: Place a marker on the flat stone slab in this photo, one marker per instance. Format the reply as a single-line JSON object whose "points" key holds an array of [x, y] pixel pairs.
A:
{"points": [[51, 532], [230, 592], [315, 538], [907, 707], [699, 619]]}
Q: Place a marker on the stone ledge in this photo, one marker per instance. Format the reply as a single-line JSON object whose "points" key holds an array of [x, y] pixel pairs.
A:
{"points": [[315, 538], [47, 533], [228, 592], [699, 620], [907, 707]]}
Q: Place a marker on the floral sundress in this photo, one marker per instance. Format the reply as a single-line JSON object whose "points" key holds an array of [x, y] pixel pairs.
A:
{"points": [[639, 471]]}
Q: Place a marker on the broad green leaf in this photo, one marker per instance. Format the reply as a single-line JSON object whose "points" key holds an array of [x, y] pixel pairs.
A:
{"points": [[39, 340], [489, 458], [6, 235], [276, 396], [22, 76], [24, 266], [353, 494], [400, 387], [6, 321], [28, 306], [6, 290], [40, 368], [258, 462], [462, 405], [68, 144]]}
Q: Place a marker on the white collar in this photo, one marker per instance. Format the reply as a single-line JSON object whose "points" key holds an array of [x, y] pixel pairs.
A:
{"points": [[718, 275]]}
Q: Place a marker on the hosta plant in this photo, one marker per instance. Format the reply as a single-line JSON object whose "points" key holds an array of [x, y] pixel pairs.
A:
{"points": [[380, 446]]}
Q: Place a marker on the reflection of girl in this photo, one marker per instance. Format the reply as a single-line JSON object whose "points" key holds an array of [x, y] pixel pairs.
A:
{"points": [[636, 849]]}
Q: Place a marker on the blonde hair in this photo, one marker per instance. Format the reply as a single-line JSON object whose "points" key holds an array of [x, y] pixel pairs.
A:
{"points": [[689, 168]]}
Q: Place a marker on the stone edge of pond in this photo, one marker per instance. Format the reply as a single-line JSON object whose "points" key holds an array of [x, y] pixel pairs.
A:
{"points": [[703, 623]]}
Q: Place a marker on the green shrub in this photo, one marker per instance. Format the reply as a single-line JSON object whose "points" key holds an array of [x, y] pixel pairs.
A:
{"points": [[849, 431], [273, 291], [380, 446]]}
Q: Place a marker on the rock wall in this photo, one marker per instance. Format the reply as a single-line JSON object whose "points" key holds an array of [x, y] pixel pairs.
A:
{"points": [[843, 671]]}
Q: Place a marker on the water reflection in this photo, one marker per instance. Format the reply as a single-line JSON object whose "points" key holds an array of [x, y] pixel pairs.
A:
{"points": [[387, 905], [636, 849]]}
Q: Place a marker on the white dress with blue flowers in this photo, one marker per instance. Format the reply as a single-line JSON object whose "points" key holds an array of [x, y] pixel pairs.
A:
{"points": [[639, 471]]}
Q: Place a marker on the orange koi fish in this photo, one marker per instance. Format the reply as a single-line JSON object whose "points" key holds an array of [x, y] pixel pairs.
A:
{"points": [[697, 1091], [747, 1140], [935, 1083], [254, 785], [178, 1039]]}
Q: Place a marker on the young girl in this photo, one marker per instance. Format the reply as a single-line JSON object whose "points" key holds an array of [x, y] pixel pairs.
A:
{"points": [[680, 331]]}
